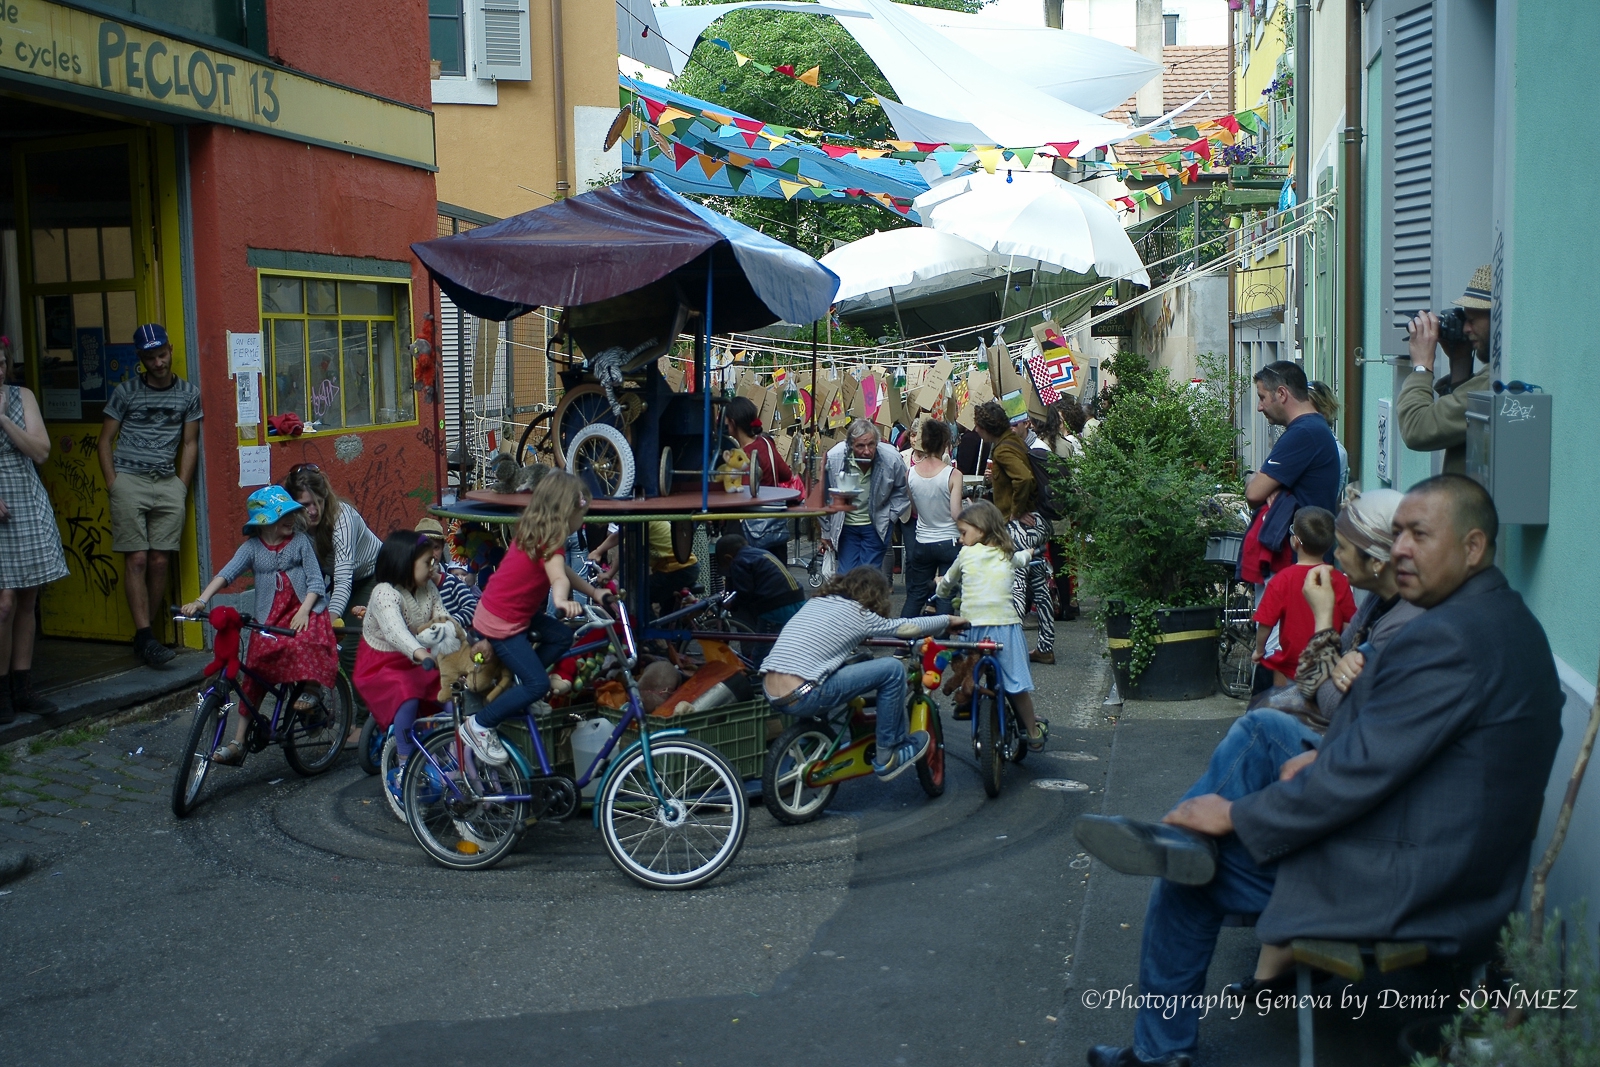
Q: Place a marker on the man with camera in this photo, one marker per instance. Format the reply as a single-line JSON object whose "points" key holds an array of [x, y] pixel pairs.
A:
{"points": [[1433, 415]]}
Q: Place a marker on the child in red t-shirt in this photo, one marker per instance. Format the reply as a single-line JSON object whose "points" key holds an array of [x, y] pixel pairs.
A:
{"points": [[1284, 604]]}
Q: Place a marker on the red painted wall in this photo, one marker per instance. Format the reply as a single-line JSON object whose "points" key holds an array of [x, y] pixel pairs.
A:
{"points": [[251, 190], [377, 46]]}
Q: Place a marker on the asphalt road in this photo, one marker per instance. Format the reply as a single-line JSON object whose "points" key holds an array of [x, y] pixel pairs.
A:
{"points": [[295, 921]]}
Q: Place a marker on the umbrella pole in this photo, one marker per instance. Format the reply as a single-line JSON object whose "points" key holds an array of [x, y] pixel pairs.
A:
{"points": [[812, 451], [705, 381], [897, 321]]}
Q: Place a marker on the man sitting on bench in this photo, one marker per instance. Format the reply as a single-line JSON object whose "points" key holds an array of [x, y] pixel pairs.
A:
{"points": [[1411, 822]]}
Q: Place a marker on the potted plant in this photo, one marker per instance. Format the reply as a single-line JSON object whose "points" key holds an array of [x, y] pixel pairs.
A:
{"points": [[1141, 501]]}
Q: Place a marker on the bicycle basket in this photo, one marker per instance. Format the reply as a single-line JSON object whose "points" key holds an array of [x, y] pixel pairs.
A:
{"points": [[1224, 547]]}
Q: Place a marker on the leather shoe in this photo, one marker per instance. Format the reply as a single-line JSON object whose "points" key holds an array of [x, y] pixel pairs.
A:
{"points": [[1115, 1056], [1148, 848], [1247, 987]]}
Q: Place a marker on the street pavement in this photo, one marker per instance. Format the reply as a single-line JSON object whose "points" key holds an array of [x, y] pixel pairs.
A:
{"points": [[294, 921]]}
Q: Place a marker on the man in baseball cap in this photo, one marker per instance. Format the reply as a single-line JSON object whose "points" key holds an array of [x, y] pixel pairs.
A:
{"points": [[149, 447], [1433, 415]]}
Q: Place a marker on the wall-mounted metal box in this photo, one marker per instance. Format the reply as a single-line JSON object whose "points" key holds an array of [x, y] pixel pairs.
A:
{"points": [[1508, 453]]}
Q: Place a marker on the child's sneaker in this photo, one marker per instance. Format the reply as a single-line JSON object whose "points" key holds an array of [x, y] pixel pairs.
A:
{"points": [[485, 742], [1041, 734], [903, 756], [394, 781]]}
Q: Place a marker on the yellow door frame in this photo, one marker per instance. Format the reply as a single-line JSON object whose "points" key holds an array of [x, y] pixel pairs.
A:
{"points": [[157, 285]]}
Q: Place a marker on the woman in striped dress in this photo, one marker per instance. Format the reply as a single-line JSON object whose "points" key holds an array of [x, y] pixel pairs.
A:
{"points": [[30, 544]]}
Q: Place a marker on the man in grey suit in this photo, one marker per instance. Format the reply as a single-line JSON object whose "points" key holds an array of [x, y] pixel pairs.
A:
{"points": [[1413, 819]]}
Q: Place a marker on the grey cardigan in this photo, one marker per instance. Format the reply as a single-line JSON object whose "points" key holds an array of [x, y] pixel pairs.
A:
{"points": [[297, 559], [888, 500]]}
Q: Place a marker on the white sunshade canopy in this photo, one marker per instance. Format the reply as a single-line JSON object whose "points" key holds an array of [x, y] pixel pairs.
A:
{"points": [[1036, 218], [912, 261]]}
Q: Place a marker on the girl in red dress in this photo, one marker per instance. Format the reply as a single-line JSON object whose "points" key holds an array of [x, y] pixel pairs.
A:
{"points": [[289, 594], [404, 607]]}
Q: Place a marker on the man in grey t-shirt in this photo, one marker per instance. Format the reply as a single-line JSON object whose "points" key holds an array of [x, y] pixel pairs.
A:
{"points": [[154, 420]]}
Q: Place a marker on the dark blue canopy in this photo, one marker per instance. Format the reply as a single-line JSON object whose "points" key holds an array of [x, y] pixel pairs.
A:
{"points": [[633, 237]]}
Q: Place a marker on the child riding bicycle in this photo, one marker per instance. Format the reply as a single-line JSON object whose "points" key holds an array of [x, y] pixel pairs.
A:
{"points": [[983, 571], [511, 614], [806, 674], [289, 594]]}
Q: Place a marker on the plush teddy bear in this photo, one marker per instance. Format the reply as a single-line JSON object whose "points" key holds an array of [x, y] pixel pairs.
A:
{"points": [[734, 469], [484, 673], [442, 638]]}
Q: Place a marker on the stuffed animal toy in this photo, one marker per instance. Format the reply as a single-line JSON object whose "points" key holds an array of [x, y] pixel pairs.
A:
{"points": [[528, 477], [504, 470], [442, 638], [483, 672], [733, 470], [935, 659], [958, 681], [225, 647]]}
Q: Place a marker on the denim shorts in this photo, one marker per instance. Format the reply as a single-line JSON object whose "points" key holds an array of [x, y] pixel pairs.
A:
{"points": [[1016, 675]]}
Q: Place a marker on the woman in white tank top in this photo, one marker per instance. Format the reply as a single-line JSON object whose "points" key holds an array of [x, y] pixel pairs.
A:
{"points": [[935, 488]]}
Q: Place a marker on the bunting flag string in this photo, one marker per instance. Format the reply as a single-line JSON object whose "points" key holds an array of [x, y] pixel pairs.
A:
{"points": [[812, 76]]}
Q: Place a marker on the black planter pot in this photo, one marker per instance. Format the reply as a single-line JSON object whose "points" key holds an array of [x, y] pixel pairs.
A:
{"points": [[1185, 663]]}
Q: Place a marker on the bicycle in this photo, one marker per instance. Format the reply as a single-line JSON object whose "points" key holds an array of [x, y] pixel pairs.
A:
{"points": [[312, 737], [1236, 645], [379, 750], [997, 734], [671, 810], [809, 760]]}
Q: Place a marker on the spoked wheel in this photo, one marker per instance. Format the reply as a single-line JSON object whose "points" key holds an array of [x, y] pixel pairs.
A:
{"points": [[991, 760], [1236, 667], [369, 750], [445, 811], [390, 754], [544, 447], [315, 735], [603, 460], [687, 841], [1016, 745], [930, 768], [783, 779], [579, 409], [210, 720]]}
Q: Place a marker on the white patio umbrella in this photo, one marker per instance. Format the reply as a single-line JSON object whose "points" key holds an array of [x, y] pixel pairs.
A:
{"points": [[910, 261], [1034, 217]]}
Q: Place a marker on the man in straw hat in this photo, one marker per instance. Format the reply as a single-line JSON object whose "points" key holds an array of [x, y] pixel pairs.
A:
{"points": [[1434, 415]]}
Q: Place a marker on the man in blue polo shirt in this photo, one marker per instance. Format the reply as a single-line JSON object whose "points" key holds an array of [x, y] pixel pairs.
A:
{"points": [[1305, 461]]}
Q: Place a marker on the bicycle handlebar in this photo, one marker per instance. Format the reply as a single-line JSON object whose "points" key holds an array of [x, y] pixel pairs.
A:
{"points": [[245, 623]]}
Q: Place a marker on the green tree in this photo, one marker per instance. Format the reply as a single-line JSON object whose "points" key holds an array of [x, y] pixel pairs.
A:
{"points": [[777, 37]]}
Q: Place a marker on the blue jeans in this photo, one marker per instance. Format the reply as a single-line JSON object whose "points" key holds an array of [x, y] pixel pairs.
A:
{"points": [[1181, 922], [860, 546], [885, 676], [927, 560], [530, 665]]}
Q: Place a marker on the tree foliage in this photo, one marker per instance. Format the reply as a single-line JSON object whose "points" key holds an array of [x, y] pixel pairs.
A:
{"points": [[777, 37]]}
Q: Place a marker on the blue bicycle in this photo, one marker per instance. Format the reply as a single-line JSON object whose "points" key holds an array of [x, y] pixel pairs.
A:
{"points": [[997, 736], [671, 809]]}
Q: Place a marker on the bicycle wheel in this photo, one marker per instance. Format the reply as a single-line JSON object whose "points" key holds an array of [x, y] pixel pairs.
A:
{"points": [[1016, 740], [602, 459], [784, 792], [689, 840], [369, 750], [315, 736], [930, 768], [991, 760], [386, 759], [453, 826], [1236, 667], [580, 408], [210, 720]]}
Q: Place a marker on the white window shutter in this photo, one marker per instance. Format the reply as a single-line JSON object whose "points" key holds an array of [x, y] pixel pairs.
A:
{"points": [[1408, 187], [505, 52]]}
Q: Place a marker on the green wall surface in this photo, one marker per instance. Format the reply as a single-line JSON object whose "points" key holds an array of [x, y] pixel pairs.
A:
{"points": [[1546, 339]]}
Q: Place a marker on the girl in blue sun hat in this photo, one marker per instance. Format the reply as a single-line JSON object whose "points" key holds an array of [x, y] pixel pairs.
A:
{"points": [[289, 593]]}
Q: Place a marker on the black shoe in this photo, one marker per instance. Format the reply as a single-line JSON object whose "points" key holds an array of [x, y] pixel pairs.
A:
{"points": [[1115, 1056], [8, 714], [156, 654], [1148, 848], [24, 701]]}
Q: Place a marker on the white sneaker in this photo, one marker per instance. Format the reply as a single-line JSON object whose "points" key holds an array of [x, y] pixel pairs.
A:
{"points": [[541, 710], [484, 742]]}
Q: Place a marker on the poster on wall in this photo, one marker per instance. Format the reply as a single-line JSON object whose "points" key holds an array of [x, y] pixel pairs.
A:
{"points": [[62, 405], [91, 353], [121, 363]]}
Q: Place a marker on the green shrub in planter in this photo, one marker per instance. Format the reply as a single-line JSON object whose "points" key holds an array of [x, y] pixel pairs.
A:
{"points": [[1139, 497]]}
